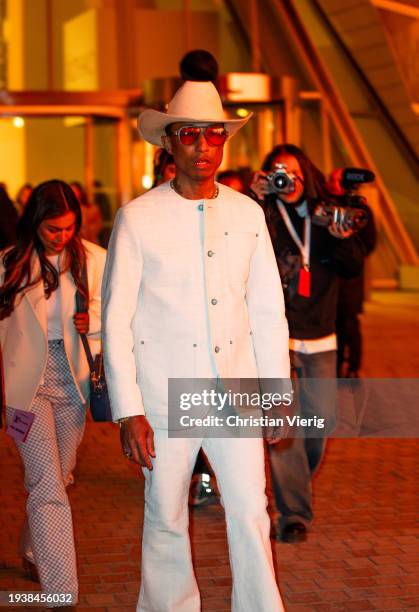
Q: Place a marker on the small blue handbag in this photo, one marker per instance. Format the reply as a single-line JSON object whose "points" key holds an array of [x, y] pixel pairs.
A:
{"points": [[99, 403]]}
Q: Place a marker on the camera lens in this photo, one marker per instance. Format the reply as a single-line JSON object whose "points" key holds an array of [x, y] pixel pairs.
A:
{"points": [[281, 181]]}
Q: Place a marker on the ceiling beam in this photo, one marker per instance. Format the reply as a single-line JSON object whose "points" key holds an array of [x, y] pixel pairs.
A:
{"points": [[397, 7]]}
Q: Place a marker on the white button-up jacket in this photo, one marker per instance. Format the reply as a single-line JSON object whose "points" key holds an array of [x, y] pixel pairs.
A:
{"points": [[177, 303]]}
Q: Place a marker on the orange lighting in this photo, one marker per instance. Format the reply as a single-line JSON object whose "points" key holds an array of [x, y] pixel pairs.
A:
{"points": [[18, 122]]}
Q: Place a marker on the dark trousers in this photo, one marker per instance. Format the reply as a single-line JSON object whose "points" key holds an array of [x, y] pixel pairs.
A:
{"points": [[201, 465], [349, 338], [295, 460]]}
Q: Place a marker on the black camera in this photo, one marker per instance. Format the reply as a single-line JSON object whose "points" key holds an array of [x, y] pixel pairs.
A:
{"points": [[280, 181], [346, 217], [348, 212]]}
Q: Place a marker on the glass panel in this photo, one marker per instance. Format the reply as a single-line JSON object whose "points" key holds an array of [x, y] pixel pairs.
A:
{"points": [[37, 149], [105, 192], [250, 145]]}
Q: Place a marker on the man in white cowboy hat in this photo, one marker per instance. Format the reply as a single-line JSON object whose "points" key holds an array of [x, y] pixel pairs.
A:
{"points": [[191, 290]]}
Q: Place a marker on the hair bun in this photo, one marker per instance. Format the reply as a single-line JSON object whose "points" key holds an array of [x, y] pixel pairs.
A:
{"points": [[199, 65]]}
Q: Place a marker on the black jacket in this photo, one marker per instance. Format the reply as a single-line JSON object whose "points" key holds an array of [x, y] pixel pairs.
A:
{"points": [[351, 291], [331, 258]]}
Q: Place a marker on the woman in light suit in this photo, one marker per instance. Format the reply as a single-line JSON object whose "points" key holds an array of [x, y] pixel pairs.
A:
{"points": [[46, 371]]}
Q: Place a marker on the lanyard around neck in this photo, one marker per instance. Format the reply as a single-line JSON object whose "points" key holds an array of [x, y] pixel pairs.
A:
{"points": [[304, 248]]}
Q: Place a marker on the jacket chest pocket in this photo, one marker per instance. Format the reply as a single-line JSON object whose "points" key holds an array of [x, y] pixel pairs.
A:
{"points": [[239, 249]]}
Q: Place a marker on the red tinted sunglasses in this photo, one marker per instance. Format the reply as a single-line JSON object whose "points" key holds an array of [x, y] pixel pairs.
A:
{"points": [[189, 134]]}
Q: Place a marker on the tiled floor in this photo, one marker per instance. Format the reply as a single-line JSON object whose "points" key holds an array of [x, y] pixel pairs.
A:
{"points": [[362, 553]]}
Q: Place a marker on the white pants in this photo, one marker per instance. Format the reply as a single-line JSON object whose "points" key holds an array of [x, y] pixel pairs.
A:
{"points": [[168, 581]]}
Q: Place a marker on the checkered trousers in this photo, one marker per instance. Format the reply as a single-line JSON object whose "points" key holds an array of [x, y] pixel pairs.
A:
{"points": [[49, 456]]}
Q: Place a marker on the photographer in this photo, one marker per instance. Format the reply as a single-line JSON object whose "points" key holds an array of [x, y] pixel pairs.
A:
{"points": [[343, 183], [311, 258]]}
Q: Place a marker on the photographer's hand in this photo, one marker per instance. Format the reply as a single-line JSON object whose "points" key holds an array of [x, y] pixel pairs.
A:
{"points": [[338, 231], [273, 435], [259, 185]]}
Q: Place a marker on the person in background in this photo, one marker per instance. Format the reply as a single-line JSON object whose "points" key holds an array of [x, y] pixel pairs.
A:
{"points": [[92, 222], [351, 291], [22, 197], [232, 179], [103, 202], [199, 65], [311, 259], [46, 371], [8, 220], [163, 167]]}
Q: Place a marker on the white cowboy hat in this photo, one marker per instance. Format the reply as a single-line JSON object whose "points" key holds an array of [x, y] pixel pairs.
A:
{"points": [[194, 102]]}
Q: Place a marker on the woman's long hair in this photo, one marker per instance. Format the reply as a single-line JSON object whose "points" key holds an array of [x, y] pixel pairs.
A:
{"points": [[49, 200], [314, 180]]}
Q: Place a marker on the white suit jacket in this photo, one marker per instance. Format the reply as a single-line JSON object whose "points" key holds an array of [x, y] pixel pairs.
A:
{"points": [[24, 340], [175, 301]]}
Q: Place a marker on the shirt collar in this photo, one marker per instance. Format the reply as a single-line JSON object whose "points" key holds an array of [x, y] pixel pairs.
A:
{"points": [[302, 209]]}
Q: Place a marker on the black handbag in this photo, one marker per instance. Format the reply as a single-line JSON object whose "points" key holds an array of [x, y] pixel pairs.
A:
{"points": [[99, 403]]}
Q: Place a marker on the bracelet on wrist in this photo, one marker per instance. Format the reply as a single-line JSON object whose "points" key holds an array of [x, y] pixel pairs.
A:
{"points": [[123, 420]]}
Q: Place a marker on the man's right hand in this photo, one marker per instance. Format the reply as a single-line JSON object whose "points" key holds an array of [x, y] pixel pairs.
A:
{"points": [[137, 440]]}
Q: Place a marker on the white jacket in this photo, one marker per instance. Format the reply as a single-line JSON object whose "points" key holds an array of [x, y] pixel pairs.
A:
{"points": [[175, 302], [24, 340]]}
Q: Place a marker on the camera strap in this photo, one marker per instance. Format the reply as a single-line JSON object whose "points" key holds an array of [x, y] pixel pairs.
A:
{"points": [[304, 275], [303, 247]]}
